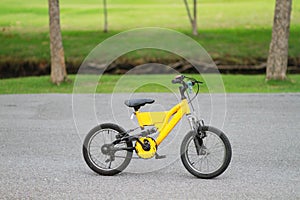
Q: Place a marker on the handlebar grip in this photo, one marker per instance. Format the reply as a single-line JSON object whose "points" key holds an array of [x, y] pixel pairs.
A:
{"points": [[174, 81], [178, 79]]}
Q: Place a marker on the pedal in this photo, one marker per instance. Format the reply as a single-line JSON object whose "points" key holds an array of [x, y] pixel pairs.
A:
{"points": [[159, 156]]}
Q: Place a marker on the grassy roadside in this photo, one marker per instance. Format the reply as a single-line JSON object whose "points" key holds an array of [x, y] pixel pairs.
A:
{"points": [[150, 83], [235, 43]]}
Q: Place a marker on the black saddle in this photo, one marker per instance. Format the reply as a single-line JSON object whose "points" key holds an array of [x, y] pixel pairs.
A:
{"points": [[137, 103]]}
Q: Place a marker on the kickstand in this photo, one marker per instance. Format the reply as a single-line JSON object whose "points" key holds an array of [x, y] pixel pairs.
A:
{"points": [[159, 156]]}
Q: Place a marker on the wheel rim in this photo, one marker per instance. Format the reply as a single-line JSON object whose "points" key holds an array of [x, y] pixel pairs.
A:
{"points": [[213, 157], [100, 160]]}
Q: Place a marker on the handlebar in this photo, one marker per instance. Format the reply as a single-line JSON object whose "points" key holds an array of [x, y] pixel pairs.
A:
{"points": [[180, 79]]}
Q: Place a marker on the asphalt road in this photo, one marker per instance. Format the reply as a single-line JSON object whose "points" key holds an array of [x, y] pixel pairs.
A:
{"points": [[41, 154]]}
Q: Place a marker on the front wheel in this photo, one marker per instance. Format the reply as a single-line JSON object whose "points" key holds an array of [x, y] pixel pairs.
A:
{"points": [[96, 150], [207, 157]]}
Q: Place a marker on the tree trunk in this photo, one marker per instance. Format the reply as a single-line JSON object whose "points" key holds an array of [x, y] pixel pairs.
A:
{"points": [[58, 66], [194, 25], [105, 29], [193, 19], [278, 52]]}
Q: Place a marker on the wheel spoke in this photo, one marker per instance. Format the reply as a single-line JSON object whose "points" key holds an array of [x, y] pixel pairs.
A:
{"points": [[96, 160], [193, 154], [121, 156], [109, 164], [217, 145], [217, 150], [201, 164], [215, 158], [198, 161], [213, 164]]}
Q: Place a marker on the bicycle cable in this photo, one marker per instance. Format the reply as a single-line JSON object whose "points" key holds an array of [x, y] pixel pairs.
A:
{"points": [[198, 87]]}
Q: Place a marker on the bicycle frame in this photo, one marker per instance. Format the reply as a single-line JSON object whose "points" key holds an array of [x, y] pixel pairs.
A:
{"points": [[163, 121]]}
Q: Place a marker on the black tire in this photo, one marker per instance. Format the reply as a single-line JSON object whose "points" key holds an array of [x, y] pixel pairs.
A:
{"points": [[95, 164], [191, 166]]}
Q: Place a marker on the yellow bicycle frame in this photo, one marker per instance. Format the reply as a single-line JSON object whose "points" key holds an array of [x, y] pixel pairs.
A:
{"points": [[163, 121]]}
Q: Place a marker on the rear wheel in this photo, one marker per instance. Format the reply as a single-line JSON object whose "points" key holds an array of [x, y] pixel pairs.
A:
{"points": [[96, 150], [211, 158]]}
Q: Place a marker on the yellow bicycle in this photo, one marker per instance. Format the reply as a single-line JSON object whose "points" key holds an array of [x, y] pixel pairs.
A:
{"points": [[205, 150]]}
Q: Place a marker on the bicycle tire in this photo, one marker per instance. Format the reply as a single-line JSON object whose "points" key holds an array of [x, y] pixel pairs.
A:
{"points": [[86, 150], [189, 165]]}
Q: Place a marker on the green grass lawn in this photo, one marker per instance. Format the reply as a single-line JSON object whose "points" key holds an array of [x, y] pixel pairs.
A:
{"points": [[234, 29], [32, 16], [149, 83]]}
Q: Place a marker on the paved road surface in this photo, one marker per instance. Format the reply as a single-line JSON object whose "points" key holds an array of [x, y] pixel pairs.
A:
{"points": [[41, 150]]}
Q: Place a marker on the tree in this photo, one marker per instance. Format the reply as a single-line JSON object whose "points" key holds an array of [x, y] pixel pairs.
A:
{"points": [[278, 52], [58, 66], [193, 19], [105, 29]]}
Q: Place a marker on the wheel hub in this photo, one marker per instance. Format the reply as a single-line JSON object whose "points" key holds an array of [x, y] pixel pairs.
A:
{"points": [[203, 151], [106, 149]]}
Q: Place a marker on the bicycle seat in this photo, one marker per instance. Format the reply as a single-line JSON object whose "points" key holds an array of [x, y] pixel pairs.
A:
{"points": [[137, 103]]}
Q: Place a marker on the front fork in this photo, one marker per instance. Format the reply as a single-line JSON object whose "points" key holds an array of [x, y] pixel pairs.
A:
{"points": [[196, 126]]}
